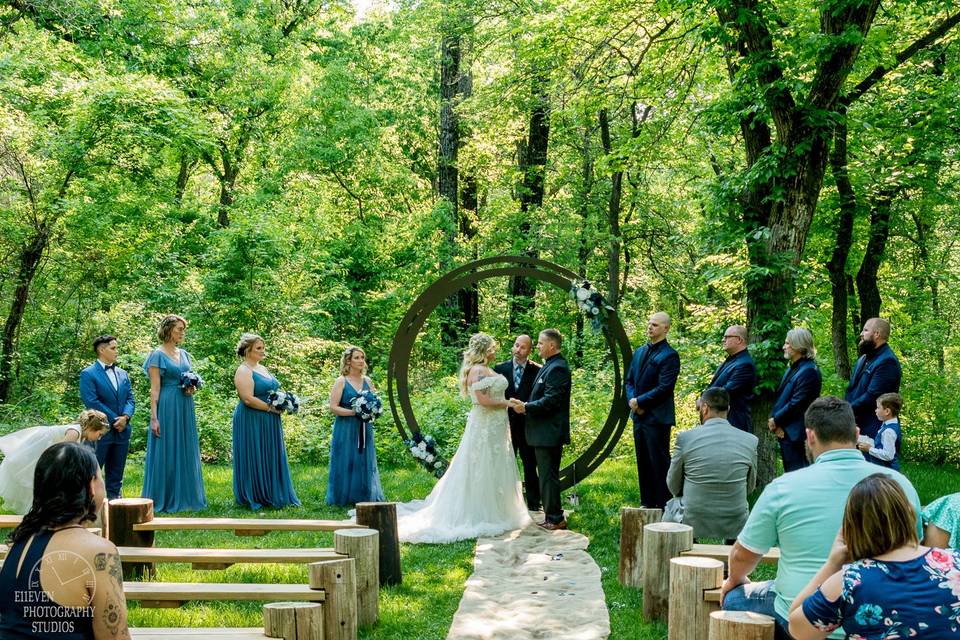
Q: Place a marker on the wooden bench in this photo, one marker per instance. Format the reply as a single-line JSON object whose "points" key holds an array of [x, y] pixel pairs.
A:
{"points": [[174, 594], [722, 551], [244, 526], [166, 633]]}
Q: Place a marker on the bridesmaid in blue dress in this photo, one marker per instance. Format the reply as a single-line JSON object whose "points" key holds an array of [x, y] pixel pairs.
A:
{"points": [[261, 475], [171, 475], [354, 476]]}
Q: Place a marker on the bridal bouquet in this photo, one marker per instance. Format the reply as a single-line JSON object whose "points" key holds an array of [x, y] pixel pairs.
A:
{"points": [[284, 401], [424, 450], [591, 303], [367, 406], [190, 380]]}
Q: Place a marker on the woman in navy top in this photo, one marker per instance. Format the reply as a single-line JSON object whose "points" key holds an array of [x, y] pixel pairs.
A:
{"points": [[879, 582], [59, 581]]}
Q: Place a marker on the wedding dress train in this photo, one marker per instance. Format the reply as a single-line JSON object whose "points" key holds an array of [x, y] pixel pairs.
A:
{"points": [[479, 495]]}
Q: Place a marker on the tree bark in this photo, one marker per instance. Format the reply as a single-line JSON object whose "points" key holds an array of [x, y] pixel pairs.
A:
{"points": [[187, 165], [29, 261], [613, 216], [837, 266], [532, 164], [867, 287]]}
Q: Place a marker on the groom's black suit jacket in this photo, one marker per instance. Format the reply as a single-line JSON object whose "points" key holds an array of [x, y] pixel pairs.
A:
{"points": [[518, 421], [548, 410]]}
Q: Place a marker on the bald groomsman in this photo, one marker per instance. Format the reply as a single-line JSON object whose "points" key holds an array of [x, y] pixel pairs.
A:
{"points": [[877, 372], [738, 375], [649, 385]]}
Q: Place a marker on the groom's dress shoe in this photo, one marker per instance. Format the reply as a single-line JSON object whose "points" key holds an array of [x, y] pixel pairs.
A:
{"points": [[554, 526]]}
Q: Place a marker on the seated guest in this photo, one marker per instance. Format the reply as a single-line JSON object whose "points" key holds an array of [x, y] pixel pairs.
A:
{"points": [[885, 449], [878, 581], [58, 579], [714, 467], [941, 519], [800, 512]]}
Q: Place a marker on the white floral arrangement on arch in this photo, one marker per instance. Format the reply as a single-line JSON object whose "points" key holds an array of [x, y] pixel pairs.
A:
{"points": [[591, 303]]}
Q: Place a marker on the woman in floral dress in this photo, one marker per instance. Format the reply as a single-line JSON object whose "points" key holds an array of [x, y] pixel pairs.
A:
{"points": [[879, 581]]}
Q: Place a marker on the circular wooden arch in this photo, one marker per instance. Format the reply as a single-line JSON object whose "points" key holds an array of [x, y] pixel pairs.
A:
{"points": [[472, 273]]}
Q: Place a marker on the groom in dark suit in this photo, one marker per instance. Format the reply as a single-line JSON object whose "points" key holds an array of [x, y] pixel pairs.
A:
{"points": [[106, 387], [548, 423], [520, 374]]}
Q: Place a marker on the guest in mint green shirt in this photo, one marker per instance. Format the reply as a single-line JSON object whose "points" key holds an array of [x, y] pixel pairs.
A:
{"points": [[801, 513]]}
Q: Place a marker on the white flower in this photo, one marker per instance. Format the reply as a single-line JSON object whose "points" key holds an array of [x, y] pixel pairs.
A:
{"points": [[583, 294], [595, 311], [422, 445], [437, 465], [429, 457]]}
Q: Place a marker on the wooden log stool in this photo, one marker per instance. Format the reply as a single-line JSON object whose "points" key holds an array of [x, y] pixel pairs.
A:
{"points": [[382, 516], [632, 522], [338, 580], [293, 620], [363, 545], [122, 514], [661, 542], [740, 625], [690, 578]]}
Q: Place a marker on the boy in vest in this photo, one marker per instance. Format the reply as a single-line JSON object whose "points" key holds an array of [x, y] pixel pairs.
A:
{"points": [[885, 449]]}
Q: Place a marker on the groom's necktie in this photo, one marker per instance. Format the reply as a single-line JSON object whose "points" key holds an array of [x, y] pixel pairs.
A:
{"points": [[517, 375]]}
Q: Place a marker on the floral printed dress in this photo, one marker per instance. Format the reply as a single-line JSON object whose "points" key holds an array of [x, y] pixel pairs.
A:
{"points": [[887, 600]]}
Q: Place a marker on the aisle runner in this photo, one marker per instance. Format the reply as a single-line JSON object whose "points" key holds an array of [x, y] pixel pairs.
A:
{"points": [[532, 584]]}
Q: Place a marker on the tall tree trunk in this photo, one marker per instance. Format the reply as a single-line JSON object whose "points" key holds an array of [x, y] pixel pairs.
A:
{"points": [[449, 126], [867, 287], [613, 216], [837, 267], [29, 261], [532, 162], [187, 165]]}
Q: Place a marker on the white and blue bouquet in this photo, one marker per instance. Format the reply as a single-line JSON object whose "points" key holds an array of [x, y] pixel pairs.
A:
{"points": [[591, 303], [367, 406], [190, 380], [283, 401], [424, 450]]}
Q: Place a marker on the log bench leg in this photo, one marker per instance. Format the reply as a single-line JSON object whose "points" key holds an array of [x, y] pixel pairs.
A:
{"points": [[363, 545], [661, 542], [740, 625], [337, 578], [293, 620], [690, 578], [122, 514], [382, 516], [632, 522]]}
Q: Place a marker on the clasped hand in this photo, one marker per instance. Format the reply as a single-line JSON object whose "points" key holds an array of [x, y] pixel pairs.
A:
{"points": [[517, 405]]}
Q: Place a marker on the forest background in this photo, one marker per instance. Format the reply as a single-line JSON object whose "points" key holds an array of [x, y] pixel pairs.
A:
{"points": [[292, 168]]}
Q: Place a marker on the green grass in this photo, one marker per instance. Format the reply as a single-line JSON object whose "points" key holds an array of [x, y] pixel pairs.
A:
{"points": [[422, 607]]}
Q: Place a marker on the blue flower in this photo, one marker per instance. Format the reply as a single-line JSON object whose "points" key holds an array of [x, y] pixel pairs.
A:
{"points": [[869, 614]]}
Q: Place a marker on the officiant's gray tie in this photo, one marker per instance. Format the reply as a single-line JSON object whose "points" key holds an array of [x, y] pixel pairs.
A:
{"points": [[517, 374]]}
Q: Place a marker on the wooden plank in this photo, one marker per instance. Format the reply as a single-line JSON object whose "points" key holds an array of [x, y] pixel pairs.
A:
{"points": [[244, 526], [221, 633], [712, 595], [164, 594], [226, 556], [221, 556], [722, 551], [10, 521]]}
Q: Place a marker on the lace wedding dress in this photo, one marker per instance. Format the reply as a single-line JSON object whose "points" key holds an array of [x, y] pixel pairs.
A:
{"points": [[479, 495]]}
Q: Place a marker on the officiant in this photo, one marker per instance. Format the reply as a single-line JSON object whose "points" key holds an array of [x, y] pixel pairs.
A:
{"points": [[520, 373]]}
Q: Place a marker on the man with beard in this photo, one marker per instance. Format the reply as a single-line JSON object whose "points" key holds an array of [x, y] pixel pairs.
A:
{"points": [[877, 372]]}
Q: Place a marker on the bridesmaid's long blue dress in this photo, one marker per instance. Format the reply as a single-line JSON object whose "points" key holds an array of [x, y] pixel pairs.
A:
{"points": [[261, 475], [354, 476], [171, 474]]}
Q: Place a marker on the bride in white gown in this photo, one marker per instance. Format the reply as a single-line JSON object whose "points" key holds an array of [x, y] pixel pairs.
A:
{"points": [[479, 495]]}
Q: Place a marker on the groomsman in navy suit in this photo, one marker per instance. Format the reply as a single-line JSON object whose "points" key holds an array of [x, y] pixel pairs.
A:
{"points": [[106, 387], [738, 375], [520, 373], [649, 385], [877, 372]]}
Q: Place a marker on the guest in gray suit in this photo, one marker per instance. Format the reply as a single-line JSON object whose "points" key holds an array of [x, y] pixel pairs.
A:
{"points": [[714, 467]]}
